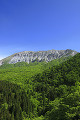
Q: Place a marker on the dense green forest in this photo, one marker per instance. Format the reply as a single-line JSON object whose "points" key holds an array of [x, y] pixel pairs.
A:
{"points": [[40, 90]]}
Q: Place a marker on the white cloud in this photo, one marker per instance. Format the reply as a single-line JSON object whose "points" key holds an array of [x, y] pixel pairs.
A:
{"points": [[1, 57]]}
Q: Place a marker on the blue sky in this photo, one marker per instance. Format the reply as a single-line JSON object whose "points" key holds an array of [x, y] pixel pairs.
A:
{"points": [[34, 25]]}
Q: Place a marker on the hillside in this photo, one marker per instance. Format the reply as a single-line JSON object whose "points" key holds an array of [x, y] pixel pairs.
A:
{"points": [[21, 72], [41, 91], [60, 88]]}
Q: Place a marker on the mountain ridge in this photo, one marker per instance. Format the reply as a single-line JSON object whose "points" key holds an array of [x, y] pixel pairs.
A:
{"points": [[32, 56]]}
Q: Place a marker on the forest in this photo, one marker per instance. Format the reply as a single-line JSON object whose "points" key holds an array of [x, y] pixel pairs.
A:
{"points": [[40, 90]]}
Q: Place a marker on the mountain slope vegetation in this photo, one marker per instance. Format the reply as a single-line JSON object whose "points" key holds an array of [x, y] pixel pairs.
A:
{"points": [[21, 72], [41, 91]]}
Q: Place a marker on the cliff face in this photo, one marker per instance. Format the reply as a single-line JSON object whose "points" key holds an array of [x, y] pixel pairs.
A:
{"points": [[30, 56]]}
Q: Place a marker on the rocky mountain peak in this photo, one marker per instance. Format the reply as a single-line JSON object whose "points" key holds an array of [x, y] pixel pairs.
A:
{"points": [[31, 56]]}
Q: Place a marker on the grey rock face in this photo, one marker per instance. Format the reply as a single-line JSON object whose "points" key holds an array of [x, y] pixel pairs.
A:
{"points": [[1, 62], [30, 56]]}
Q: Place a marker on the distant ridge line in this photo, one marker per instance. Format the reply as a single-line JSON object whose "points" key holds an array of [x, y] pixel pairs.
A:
{"points": [[32, 56]]}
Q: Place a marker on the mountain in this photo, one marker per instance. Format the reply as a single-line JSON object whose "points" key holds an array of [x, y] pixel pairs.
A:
{"points": [[31, 92], [31, 56]]}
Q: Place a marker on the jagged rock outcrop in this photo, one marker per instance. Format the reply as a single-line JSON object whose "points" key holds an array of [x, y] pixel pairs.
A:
{"points": [[30, 56]]}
